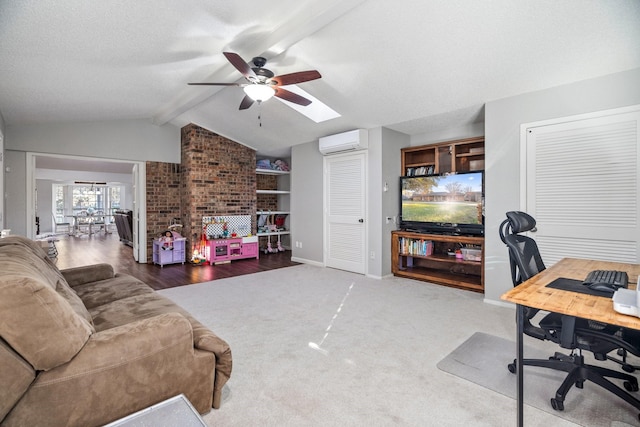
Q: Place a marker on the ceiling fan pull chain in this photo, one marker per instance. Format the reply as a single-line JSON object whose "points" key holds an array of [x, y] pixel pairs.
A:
{"points": [[260, 113]]}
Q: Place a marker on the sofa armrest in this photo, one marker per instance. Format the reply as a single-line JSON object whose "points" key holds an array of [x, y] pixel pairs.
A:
{"points": [[88, 273], [131, 366], [206, 340]]}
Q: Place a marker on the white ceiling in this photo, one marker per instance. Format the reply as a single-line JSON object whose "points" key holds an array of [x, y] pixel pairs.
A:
{"points": [[415, 66]]}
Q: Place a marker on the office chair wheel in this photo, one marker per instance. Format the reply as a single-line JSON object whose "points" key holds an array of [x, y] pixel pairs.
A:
{"points": [[512, 368], [556, 404], [630, 386], [628, 368]]}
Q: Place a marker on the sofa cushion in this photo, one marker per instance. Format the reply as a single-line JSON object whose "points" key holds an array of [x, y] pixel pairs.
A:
{"points": [[16, 376], [20, 258], [39, 323], [27, 245], [103, 292], [28, 259], [75, 302]]}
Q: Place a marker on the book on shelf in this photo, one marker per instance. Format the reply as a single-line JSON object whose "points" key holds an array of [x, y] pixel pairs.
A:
{"points": [[417, 247], [420, 171]]}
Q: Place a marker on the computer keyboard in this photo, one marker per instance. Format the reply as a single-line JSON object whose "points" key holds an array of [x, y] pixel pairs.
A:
{"points": [[616, 279]]}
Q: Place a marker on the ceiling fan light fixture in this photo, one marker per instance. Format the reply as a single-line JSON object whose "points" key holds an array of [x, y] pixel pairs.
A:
{"points": [[259, 92]]}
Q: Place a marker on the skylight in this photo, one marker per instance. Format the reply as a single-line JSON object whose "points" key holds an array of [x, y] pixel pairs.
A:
{"points": [[316, 111]]}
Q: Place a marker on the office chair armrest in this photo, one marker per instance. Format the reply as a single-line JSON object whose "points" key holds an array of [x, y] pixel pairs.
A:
{"points": [[568, 332]]}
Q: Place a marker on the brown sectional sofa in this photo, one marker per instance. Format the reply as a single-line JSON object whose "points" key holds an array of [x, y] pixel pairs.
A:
{"points": [[85, 346]]}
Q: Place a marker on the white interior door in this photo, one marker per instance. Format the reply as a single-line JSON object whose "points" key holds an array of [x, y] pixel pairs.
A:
{"points": [[344, 211], [582, 186]]}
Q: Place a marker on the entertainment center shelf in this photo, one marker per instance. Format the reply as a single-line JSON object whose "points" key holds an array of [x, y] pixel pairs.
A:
{"points": [[439, 267], [426, 254], [462, 155]]}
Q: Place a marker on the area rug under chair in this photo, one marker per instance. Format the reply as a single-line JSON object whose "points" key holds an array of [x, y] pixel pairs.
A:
{"points": [[483, 359]]}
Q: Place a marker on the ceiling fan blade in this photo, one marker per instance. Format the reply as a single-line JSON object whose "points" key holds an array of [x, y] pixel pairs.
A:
{"points": [[214, 84], [294, 78], [291, 97], [246, 102], [241, 65]]}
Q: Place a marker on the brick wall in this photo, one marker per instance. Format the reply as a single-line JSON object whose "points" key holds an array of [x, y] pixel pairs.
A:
{"points": [[163, 199], [218, 177], [267, 202]]}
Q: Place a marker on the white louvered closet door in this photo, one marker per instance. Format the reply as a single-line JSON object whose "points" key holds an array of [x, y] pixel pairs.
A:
{"points": [[345, 227], [582, 187]]}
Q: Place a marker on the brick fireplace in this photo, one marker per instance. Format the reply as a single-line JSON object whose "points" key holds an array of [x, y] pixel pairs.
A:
{"points": [[216, 176]]}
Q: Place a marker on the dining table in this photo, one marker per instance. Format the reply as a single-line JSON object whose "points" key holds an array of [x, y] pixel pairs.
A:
{"points": [[88, 220]]}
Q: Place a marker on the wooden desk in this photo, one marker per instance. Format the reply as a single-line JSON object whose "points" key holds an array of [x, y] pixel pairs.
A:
{"points": [[534, 293]]}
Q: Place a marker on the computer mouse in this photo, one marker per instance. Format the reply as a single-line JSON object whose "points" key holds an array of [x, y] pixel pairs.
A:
{"points": [[602, 287]]}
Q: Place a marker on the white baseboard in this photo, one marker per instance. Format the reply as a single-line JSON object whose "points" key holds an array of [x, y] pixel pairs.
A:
{"points": [[307, 261]]}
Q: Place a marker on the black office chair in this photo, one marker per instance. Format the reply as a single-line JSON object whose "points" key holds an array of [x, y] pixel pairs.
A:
{"points": [[572, 333]]}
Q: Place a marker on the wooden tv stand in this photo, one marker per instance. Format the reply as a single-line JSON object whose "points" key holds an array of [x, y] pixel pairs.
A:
{"points": [[438, 267]]}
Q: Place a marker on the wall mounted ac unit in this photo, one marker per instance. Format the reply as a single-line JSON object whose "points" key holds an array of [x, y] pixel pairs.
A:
{"points": [[347, 141]]}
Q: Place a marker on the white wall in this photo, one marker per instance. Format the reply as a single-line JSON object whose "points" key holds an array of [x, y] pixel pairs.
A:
{"points": [[307, 199], [134, 140], [15, 190], [121, 139], [460, 132], [392, 143], [502, 155], [306, 203]]}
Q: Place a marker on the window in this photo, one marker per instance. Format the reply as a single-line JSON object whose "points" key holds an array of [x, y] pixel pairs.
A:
{"points": [[70, 199]]}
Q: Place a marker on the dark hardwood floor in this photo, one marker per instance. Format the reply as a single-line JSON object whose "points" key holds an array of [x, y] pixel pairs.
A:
{"points": [[78, 251]]}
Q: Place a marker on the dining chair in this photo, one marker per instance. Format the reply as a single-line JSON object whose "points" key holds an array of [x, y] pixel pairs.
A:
{"points": [[83, 222], [57, 225]]}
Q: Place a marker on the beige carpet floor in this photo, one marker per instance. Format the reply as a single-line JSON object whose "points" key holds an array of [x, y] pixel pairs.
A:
{"points": [[322, 347]]}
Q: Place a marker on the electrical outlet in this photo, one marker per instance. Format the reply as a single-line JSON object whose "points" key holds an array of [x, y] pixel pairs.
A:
{"points": [[373, 255], [388, 219], [300, 245]]}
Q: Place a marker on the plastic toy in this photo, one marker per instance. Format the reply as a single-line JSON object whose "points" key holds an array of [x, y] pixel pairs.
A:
{"points": [[281, 165], [167, 241]]}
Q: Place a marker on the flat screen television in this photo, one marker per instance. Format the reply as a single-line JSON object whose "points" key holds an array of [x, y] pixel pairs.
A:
{"points": [[446, 204]]}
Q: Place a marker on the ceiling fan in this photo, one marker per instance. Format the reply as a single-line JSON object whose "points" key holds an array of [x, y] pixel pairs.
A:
{"points": [[263, 83]]}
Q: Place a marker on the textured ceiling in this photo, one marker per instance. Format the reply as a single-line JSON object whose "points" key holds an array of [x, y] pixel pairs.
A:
{"points": [[414, 66]]}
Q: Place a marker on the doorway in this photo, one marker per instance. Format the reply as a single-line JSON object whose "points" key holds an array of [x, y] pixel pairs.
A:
{"points": [[70, 169]]}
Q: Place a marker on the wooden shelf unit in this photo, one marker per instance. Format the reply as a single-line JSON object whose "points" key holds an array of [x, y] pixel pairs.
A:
{"points": [[462, 155], [439, 267]]}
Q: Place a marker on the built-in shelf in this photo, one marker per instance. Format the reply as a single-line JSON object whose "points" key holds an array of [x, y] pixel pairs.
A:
{"points": [[279, 189], [274, 233], [272, 212], [437, 265], [272, 172], [272, 192]]}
